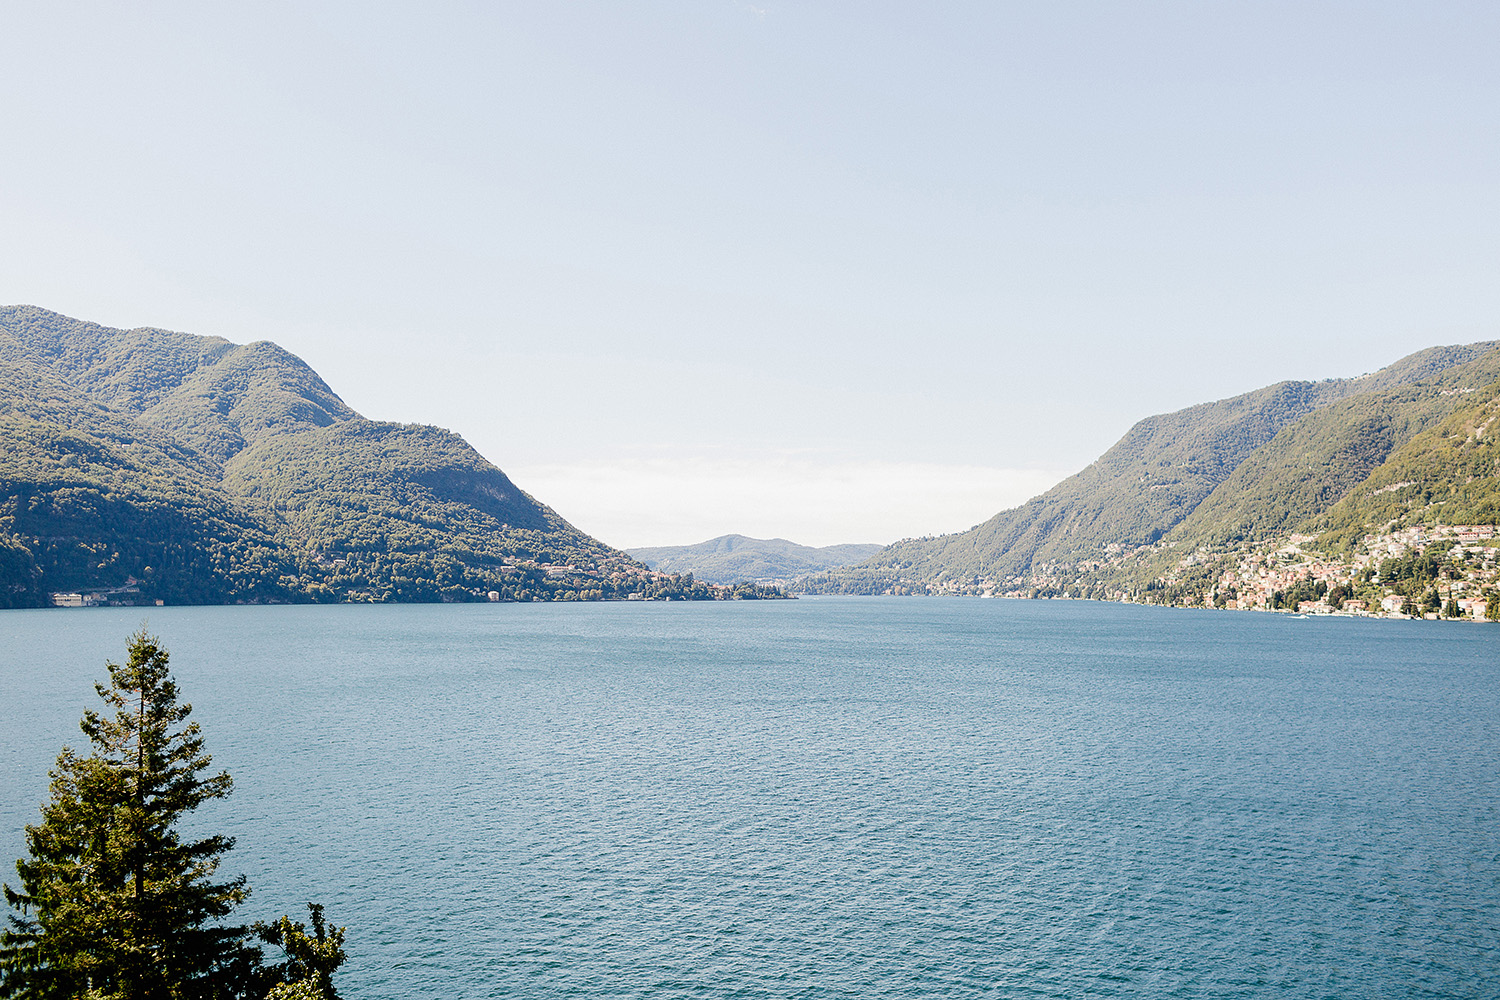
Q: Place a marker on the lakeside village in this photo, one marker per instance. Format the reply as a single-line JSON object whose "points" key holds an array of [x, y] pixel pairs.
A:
{"points": [[606, 579], [1418, 571]]}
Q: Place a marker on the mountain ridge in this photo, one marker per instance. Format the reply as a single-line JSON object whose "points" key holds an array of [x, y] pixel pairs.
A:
{"points": [[152, 465], [733, 558], [1145, 488]]}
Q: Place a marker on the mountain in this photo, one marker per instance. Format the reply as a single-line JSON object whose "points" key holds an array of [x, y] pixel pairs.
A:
{"points": [[147, 464], [90, 498], [1449, 472], [733, 558], [1231, 472], [1314, 462]]}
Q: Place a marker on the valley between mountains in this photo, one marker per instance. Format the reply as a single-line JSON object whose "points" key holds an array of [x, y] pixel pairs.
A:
{"points": [[149, 466], [1368, 495]]}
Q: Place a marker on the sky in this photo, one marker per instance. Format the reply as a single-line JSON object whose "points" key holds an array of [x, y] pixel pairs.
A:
{"points": [[834, 272]]}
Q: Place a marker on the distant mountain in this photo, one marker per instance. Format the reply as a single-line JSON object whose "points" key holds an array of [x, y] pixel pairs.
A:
{"points": [[146, 464], [1218, 474], [734, 558]]}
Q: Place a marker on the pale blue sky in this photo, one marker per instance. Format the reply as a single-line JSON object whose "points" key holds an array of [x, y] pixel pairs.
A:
{"points": [[838, 272]]}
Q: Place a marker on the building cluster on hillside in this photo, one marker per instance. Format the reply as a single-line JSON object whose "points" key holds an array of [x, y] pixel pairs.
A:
{"points": [[1461, 579], [1462, 584], [610, 577]]}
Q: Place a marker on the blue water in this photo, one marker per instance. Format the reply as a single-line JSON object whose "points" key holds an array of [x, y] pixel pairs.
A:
{"points": [[833, 798]]}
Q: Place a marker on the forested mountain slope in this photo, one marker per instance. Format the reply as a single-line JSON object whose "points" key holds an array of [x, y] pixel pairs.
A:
{"points": [[253, 392], [128, 370], [1164, 468], [92, 499], [211, 395], [411, 505], [1448, 473], [1417, 536], [169, 466], [1313, 463]]}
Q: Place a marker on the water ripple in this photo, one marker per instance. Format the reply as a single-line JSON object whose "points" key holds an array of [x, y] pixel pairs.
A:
{"points": [[839, 798]]}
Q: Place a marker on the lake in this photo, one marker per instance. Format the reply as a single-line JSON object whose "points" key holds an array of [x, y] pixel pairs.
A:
{"points": [[832, 797]]}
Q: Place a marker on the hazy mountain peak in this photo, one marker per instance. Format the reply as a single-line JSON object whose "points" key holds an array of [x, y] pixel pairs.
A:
{"points": [[732, 558]]}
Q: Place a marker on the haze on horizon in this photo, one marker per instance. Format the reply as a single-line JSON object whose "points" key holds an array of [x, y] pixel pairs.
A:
{"points": [[830, 272]]}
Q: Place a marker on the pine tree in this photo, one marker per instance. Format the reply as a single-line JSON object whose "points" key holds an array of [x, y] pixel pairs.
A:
{"points": [[113, 903], [311, 959]]}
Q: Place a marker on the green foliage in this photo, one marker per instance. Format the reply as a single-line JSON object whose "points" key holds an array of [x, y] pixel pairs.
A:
{"points": [[113, 902], [408, 512], [754, 592], [1414, 573], [1446, 473], [89, 499], [221, 473], [311, 959], [1306, 589], [253, 392], [127, 370], [1314, 462], [20, 577], [209, 394]]}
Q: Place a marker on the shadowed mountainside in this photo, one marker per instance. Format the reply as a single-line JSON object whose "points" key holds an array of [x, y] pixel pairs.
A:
{"points": [[92, 499], [167, 466]]}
